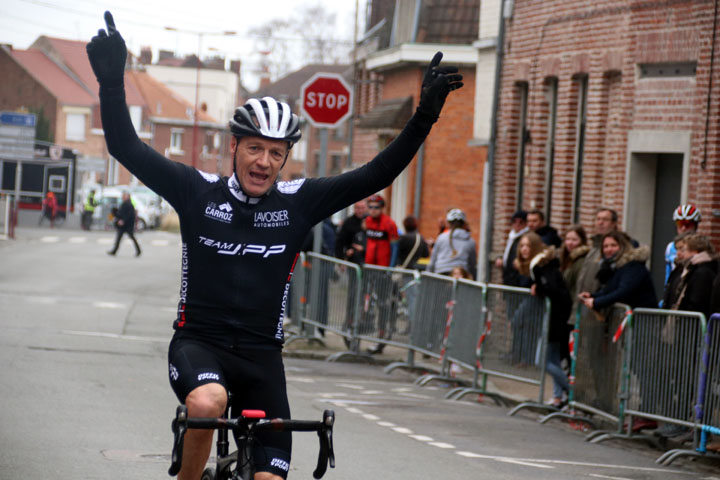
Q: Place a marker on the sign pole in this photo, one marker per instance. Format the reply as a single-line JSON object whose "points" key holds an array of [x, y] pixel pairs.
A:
{"points": [[321, 172]]}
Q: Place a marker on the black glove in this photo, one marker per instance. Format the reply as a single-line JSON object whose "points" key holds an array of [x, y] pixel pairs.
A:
{"points": [[107, 54], [437, 83]]}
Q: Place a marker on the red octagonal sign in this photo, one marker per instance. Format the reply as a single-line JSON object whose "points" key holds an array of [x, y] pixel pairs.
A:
{"points": [[326, 100]]}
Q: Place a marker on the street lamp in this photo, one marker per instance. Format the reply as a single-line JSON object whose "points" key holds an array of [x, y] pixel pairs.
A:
{"points": [[197, 81]]}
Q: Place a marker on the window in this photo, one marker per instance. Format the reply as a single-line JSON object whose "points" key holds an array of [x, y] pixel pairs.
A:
{"points": [[582, 83], [552, 97], [75, 127], [523, 137], [176, 140], [336, 163]]}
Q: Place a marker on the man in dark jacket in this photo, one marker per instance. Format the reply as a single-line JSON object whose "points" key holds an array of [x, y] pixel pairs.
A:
{"points": [[347, 232], [536, 223], [125, 224]]}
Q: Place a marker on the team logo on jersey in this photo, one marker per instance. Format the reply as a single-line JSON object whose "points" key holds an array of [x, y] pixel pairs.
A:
{"points": [[241, 249], [278, 218], [291, 186], [210, 177], [223, 213]]}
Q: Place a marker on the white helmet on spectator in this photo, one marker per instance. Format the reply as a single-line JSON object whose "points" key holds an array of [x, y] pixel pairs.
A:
{"points": [[455, 215]]}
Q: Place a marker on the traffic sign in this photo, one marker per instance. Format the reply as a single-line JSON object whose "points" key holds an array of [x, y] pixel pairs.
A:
{"points": [[326, 100], [17, 136]]}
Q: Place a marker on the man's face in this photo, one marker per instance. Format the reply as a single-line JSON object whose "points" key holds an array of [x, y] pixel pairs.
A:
{"points": [[534, 221], [518, 224], [258, 162], [125, 197], [683, 226], [360, 209], [375, 209], [604, 222]]}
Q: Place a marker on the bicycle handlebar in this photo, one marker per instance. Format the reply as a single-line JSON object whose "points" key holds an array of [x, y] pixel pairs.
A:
{"points": [[324, 429]]}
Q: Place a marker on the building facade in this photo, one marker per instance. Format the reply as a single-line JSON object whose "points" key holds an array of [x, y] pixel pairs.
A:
{"points": [[609, 103]]}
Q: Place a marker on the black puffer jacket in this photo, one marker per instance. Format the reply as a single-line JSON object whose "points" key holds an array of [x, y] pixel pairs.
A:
{"points": [[549, 283], [690, 285], [630, 284]]}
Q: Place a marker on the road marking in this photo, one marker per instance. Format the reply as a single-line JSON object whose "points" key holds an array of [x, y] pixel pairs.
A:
{"points": [[105, 241], [341, 402], [386, 424], [415, 395], [50, 239], [354, 410], [370, 416], [404, 430], [107, 305], [160, 243], [371, 392], [527, 464], [401, 389], [442, 445], [333, 395], [77, 240], [606, 476], [301, 379], [422, 438], [347, 385], [573, 463], [115, 335]]}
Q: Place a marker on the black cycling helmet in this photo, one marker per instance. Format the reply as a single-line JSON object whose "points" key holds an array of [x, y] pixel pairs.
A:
{"points": [[266, 118]]}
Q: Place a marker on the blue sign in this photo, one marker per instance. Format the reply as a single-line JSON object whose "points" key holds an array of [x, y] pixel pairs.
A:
{"points": [[17, 119]]}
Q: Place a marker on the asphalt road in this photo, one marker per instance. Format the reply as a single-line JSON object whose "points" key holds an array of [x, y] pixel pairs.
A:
{"points": [[85, 392]]}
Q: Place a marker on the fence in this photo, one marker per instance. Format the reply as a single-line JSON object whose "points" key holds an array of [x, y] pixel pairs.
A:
{"points": [[654, 364]]}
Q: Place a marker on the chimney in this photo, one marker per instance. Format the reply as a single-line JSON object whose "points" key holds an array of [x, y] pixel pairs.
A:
{"points": [[145, 56], [165, 55]]}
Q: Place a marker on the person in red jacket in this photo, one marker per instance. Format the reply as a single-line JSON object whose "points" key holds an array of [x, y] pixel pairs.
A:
{"points": [[381, 233]]}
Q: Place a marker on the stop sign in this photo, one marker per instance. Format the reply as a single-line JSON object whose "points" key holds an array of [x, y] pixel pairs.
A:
{"points": [[326, 100]]}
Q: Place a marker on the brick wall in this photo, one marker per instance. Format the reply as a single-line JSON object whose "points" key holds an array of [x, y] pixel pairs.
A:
{"points": [[603, 42]]}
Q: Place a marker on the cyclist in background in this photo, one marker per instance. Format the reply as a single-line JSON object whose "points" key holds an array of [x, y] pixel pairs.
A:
{"points": [[240, 240], [687, 219]]}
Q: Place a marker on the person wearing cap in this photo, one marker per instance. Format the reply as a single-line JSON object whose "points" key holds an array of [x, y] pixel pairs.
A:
{"points": [[455, 247], [518, 227], [686, 218]]}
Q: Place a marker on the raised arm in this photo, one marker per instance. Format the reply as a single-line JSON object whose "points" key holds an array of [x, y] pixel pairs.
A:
{"points": [[107, 54]]}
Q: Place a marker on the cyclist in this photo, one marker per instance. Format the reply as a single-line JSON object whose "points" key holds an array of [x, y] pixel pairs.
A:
{"points": [[240, 238], [687, 219]]}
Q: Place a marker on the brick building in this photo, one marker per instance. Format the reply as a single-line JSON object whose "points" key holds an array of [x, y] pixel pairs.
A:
{"points": [[609, 103], [53, 79], [400, 40]]}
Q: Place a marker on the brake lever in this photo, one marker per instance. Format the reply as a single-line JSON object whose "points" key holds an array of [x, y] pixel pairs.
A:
{"points": [[179, 427], [326, 453]]}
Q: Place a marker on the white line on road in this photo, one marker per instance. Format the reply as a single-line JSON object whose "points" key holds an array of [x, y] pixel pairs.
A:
{"points": [[386, 424], [371, 392], [354, 410], [422, 438], [160, 243], [118, 336], [596, 475], [107, 305], [527, 464], [370, 416], [105, 241], [404, 430], [347, 385], [77, 240], [442, 445], [414, 395], [301, 379], [49, 239]]}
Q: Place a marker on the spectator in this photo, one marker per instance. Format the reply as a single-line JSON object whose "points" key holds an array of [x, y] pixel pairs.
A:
{"points": [[347, 231], [49, 209], [454, 248], [460, 272], [411, 245], [624, 274], [88, 210], [548, 282], [536, 223], [687, 219], [518, 227], [381, 233], [572, 255], [125, 224], [691, 285], [525, 327]]}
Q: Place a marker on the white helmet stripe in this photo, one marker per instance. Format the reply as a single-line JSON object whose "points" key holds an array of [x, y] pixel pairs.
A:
{"points": [[272, 115], [286, 116], [260, 115]]}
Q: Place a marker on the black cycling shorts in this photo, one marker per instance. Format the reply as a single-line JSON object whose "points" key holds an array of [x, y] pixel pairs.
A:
{"points": [[256, 379]]}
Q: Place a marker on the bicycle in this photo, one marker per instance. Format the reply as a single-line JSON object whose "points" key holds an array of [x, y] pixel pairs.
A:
{"points": [[244, 428]]}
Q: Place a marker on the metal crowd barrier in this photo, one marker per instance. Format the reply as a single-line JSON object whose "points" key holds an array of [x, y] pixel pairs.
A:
{"points": [[596, 370], [510, 335], [707, 409]]}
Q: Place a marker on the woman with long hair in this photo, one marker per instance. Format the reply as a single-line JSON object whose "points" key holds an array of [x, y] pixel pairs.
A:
{"points": [[455, 247]]}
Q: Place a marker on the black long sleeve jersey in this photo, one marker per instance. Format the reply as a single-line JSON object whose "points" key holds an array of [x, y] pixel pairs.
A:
{"points": [[238, 252]]}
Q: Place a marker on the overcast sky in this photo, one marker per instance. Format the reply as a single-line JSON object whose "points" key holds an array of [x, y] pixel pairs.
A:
{"points": [[143, 22]]}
